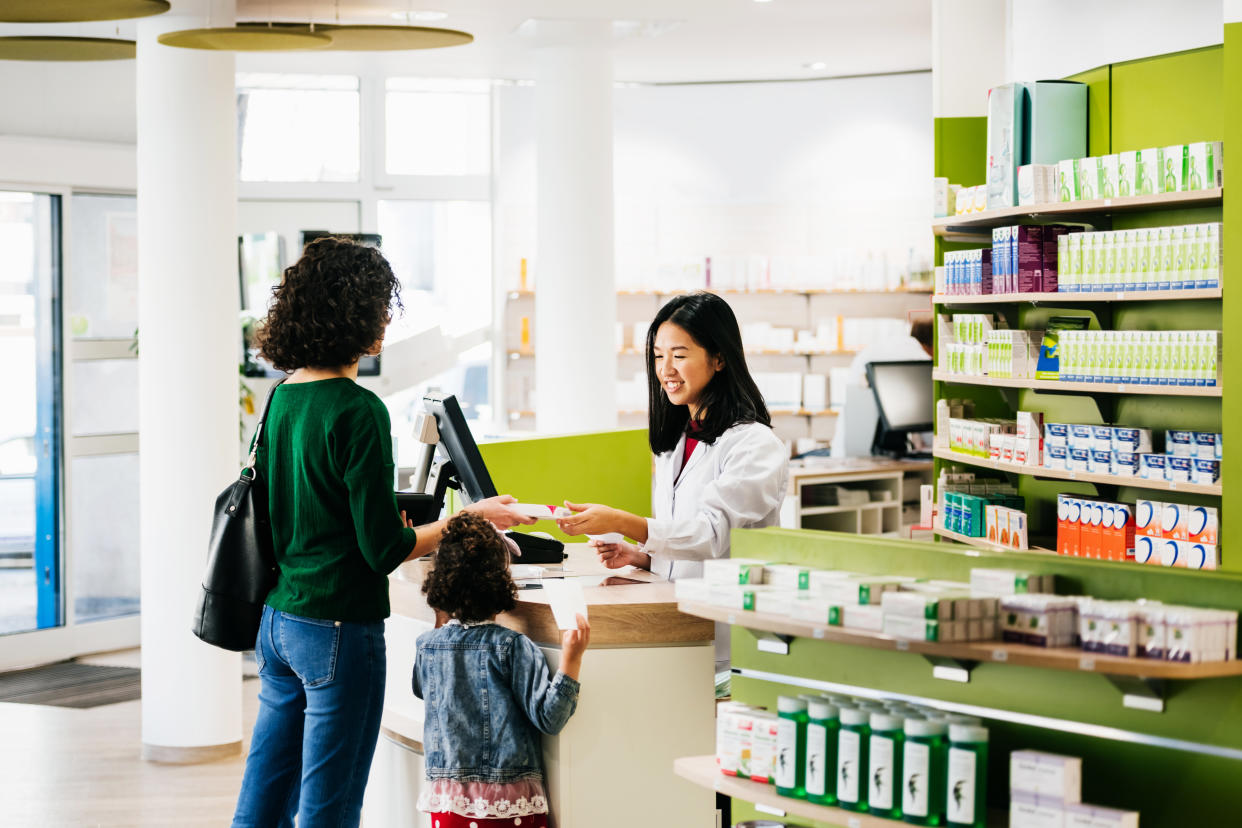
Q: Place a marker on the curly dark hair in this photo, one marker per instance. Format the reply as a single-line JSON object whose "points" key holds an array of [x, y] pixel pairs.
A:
{"points": [[332, 305], [470, 580]]}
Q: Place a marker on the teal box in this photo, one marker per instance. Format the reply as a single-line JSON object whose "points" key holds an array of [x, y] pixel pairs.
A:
{"points": [[1005, 148], [1054, 120]]}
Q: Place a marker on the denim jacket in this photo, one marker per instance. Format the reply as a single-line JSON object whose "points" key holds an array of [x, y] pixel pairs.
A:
{"points": [[488, 694]]}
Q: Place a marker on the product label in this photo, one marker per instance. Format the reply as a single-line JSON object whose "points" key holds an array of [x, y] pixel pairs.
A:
{"points": [[961, 803], [816, 755], [916, 772], [847, 765], [786, 753], [880, 781]]}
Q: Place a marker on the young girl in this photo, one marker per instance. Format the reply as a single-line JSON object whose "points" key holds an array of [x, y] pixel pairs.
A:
{"points": [[487, 689]]}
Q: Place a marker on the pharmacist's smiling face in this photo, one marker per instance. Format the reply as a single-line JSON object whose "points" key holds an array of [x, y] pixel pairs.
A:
{"points": [[683, 366]]}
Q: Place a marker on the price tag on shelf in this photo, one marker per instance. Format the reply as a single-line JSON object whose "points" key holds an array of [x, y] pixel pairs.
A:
{"points": [[1073, 475], [818, 632], [853, 822], [732, 618], [1000, 655], [1086, 663], [1121, 388], [1172, 484], [1120, 296], [1108, 202], [903, 645]]}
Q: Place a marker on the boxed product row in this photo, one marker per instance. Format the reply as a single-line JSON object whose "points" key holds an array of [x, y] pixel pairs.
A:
{"points": [[1088, 528], [1166, 467], [1202, 445], [1000, 440], [1171, 169], [1177, 534], [1155, 258], [999, 518], [1181, 358], [1045, 791], [890, 759], [1161, 632]]}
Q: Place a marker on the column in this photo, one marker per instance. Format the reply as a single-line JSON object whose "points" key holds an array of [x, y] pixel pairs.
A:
{"points": [[575, 293], [187, 367]]}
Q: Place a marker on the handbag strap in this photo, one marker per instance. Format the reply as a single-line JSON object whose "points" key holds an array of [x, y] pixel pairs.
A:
{"points": [[258, 431]]}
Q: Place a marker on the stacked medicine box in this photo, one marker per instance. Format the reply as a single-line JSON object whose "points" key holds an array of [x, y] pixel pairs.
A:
{"points": [[1142, 259], [1174, 358]]}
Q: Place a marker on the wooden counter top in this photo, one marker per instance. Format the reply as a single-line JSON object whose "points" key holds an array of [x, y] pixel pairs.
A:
{"points": [[629, 615]]}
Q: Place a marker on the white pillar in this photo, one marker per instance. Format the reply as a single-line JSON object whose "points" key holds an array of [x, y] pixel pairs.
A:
{"points": [[575, 293], [970, 55], [187, 370]]}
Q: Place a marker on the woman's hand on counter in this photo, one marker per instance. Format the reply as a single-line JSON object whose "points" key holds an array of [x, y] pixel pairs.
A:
{"points": [[617, 555], [496, 509]]}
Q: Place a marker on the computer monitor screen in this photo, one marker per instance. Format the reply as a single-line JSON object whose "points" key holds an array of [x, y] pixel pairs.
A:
{"points": [[903, 395], [457, 444]]}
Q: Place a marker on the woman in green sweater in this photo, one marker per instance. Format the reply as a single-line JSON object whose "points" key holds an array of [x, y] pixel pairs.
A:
{"points": [[327, 459]]}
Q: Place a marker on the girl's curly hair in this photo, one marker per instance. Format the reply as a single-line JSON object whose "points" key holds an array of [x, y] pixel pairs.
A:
{"points": [[332, 305], [470, 580]]}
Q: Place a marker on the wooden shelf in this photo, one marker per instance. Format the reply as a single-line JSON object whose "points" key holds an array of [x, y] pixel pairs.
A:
{"points": [[1080, 477], [972, 225], [702, 771], [1052, 658], [1094, 296], [913, 289], [808, 511], [984, 543], [1088, 387]]}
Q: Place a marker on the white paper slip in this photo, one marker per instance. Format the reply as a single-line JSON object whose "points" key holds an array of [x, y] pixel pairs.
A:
{"points": [[607, 537], [523, 571], [566, 599], [539, 511]]}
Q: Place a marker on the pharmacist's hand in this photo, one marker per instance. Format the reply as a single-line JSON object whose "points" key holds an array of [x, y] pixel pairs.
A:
{"points": [[573, 645], [617, 555], [409, 524], [590, 519], [496, 509]]}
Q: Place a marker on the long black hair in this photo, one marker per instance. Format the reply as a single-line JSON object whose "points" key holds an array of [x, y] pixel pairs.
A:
{"points": [[731, 397]]}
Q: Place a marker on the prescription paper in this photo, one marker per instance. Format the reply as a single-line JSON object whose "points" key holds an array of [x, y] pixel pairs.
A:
{"points": [[567, 599]]}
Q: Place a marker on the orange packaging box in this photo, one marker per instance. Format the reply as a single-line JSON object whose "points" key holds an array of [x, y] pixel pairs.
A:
{"points": [[1092, 529]]}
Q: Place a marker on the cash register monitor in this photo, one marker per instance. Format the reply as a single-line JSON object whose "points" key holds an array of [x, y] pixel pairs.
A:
{"points": [[457, 444], [903, 396]]}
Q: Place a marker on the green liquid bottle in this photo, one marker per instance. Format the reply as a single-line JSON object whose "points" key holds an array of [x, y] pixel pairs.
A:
{"points": [[791, 747], [822, 734], [884, 761], [966, 792], [852, 744], [924, 756]]}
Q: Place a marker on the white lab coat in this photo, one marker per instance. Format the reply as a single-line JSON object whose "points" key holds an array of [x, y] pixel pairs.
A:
{"points": [[737, 482]]}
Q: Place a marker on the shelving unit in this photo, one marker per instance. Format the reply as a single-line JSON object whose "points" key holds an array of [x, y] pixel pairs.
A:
{"points": [[1213, 489], [1086, 387], [1052, 658], [1080, 298], [984, 543], [968, 228], [893, 486]]}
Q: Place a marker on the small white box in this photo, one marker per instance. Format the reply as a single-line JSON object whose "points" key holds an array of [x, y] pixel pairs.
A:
{"points": [[1095, 816], [1046, 774], [733, 570], [1027, 810]]}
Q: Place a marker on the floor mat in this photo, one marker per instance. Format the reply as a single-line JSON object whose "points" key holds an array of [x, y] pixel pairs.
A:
{"points": [[70, 684]]}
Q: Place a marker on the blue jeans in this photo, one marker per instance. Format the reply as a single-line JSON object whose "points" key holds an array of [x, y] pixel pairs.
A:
{"points": [[320, 703]]}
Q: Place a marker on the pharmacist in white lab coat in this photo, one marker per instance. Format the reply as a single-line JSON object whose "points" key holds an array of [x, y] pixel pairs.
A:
{"points": [[718, 464]]}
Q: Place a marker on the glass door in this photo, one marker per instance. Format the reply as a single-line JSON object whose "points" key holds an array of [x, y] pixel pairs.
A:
{"points": [[30, 576]]}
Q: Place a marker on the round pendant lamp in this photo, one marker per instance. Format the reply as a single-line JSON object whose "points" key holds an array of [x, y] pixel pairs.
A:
{"points": [[391, 38], [76, 11], [252, 38], [347, 38], [66, 48]]}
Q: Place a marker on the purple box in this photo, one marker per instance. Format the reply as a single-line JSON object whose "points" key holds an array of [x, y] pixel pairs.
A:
{"points": [[1028, 258], [985, 281], [1052, 232]]}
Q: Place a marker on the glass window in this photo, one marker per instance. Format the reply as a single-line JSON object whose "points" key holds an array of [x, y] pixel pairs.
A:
{"points": [[103, 267], [298, 127], [103, 523], [438, 127], [105, 397], [29, 460]]}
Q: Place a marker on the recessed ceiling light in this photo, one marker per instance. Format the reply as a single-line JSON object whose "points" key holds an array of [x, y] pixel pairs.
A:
{"points": [[817, 65]]}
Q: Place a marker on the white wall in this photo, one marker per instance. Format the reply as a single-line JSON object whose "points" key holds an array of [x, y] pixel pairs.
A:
{"points": [[1055, 38], [87, 101]]}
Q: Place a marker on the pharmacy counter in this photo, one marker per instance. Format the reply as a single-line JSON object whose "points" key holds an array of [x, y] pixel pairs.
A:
{"points": [[646, 699]]}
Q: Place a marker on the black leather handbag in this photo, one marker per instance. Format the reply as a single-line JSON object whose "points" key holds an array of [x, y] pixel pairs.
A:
{"points": [[241, 568]]}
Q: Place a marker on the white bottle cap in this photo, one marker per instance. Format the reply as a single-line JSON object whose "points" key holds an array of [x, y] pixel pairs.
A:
{"points": [[790, 704], [925, 727], [970, 734], [823, 709], [885, 722], [854, 716]]}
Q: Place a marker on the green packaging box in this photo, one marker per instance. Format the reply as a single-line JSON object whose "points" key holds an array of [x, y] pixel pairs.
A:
{"points": [[1067, 180], [1172, 169], [1088, 178], [1147, 171], [1127, 173]]}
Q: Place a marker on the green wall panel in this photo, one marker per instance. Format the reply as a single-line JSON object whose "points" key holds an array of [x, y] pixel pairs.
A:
{"points": [[1207, 711], [611, 467], [1099, 108], [1231, 407], [1168, 99], [961, 150]]}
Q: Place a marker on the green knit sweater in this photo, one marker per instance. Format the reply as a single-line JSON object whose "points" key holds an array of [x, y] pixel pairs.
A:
{"points": [[327, 460]]}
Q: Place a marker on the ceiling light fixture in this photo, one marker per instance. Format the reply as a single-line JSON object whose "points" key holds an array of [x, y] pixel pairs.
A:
{"points": [[248, 38], [66, 48], [77, 11], [816, 66]]}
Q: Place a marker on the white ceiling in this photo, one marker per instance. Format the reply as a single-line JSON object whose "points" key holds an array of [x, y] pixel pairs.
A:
{"points": [[699, 40]]}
